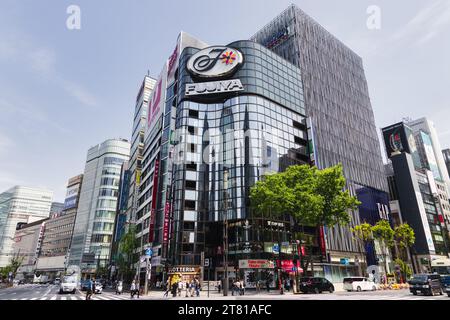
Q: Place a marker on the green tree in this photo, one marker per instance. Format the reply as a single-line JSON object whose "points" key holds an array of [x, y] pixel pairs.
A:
{"points": [[405, 269], [127, 245], [311, 196], [363, 233], [383, 232]]}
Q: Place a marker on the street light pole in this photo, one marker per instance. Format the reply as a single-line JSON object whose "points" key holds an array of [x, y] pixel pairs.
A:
{"points": [[225, 233]]}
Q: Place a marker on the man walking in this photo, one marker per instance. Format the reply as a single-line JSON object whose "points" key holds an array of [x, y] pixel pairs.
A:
{"points": [[89, 290]]}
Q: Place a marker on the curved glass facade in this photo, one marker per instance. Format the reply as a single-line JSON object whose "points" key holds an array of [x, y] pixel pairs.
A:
{"points": [[240, 135]]}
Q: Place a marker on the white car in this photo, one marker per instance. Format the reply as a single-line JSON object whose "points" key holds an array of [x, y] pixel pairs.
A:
{"points": [[68, 284], [359, 284]]}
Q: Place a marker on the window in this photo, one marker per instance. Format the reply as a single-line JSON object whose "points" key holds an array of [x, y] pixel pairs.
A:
{"points": [[191, 166], [189, 205], [193, 114], [113, 160], [300, 141], [191, 185], [191, 130]]}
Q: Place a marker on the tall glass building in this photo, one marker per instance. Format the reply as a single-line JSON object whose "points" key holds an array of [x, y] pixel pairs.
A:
{"points": [[336, 100], [20, 205], [215, 135], [94, 223]]}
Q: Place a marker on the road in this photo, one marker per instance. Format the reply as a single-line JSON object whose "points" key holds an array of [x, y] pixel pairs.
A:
{"points": [[51, 292]]}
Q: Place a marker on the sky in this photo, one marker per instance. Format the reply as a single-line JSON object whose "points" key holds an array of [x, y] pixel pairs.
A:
{"points": [[63, 91]]}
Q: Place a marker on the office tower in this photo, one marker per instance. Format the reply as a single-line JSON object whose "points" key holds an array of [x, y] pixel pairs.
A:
{"points": [[94, 223], [20, 205], [337, 103]]}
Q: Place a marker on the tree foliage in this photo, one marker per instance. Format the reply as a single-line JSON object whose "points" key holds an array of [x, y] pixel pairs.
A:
{"points": [[311, 196], [383, 232], [404, 235], [363, 232]]}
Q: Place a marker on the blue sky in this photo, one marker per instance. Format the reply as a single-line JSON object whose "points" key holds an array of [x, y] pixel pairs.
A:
{"points": [[62, 91]]}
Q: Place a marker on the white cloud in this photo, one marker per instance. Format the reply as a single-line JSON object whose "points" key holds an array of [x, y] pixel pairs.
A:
{"points": [[79, 92], [428, 23], [42, 60]]}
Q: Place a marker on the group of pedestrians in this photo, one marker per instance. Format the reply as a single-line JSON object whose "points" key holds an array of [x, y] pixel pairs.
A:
{"points": [[238, 287], [176, 288]]}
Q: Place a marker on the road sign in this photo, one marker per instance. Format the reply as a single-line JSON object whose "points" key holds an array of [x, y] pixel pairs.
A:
{"points": [[276, 248], [148, 252], [206, 264]]}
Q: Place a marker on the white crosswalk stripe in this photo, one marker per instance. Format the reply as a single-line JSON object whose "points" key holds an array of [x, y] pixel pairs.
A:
{"points": [[53, 298], [43, 298], [63, 298]]}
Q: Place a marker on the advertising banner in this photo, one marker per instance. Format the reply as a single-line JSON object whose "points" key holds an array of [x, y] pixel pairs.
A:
{"points": [[157, 100], [256, 264], [154, 195], [166, 222], [395, 139]]}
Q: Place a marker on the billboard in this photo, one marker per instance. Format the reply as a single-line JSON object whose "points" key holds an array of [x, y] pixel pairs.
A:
{"points": [[71, 197], [157, 100], [429, 154], [396, 139]]}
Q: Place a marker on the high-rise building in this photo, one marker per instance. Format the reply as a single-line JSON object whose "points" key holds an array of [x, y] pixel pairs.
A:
{"points": [[337, 102], [418, 196], [137, 144], [219, 118], [58, 232], [94, 223], [446, 154], [20, 205], [432, 148]]}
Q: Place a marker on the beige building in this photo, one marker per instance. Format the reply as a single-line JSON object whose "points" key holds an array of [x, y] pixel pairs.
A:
{"points": [[27, 245], [58, 232]]}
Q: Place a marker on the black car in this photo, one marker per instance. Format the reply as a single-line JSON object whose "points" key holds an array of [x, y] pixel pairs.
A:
{"points": [[316, 285], [428, 284]]}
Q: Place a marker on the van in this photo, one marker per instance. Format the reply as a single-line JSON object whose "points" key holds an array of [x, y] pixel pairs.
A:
{"points": [[359, 284], [427, 284]]}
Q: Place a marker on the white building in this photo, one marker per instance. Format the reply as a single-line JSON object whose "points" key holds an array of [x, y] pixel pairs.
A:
{"points": [[428, 127], [94, 223], [20, 205]]}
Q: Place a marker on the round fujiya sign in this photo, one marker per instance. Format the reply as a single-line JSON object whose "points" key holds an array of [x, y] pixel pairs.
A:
{"points": [[214, 62]]}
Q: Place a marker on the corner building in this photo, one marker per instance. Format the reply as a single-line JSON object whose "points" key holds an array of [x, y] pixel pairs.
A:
{"points": [[220, 134]]}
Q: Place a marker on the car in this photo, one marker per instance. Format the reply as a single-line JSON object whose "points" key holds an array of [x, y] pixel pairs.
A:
{"points": [[359, 284], [315, 285], [68, 284], [445, 281], [427, 284]]}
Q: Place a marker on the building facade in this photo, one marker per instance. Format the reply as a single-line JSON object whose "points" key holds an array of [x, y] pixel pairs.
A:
{"points": [[433, 148], [58, 232], [446, 154], [343, 127], [27, 246], [211, 135], [20, 205], [92, 233], [418, 195]]}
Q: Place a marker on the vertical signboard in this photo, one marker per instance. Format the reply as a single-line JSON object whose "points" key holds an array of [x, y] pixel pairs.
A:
{"points": [[429, 154], [166, 222], [154, 200], [157, 100]]}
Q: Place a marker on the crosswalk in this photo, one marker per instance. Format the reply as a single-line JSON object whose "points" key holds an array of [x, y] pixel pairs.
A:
{"points": [[78, 296]]}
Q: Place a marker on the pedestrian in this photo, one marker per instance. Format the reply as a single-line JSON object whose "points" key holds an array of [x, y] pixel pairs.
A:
{"points": [[167, 288], [94, 286], [187, 285], [158, 284], [174, 289], [119, 287], [219, 285], [132, 289], [89, 290], [242, 287], [197, 287], [137, 288], [291, 284], [258, 286], [192, 287], [268, 285], [181, 285]]}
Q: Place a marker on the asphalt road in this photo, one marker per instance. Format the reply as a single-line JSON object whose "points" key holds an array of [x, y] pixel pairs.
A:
{"points": [[51, 292]]}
